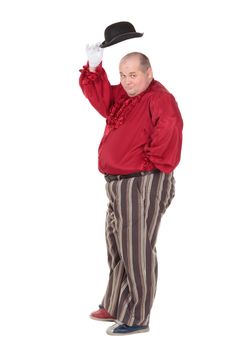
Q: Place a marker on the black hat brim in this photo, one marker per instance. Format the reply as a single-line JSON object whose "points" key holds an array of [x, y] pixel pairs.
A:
{"points": [[120, 38]]}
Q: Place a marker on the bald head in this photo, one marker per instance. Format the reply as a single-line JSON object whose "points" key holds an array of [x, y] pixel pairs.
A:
{"points": [[143, 60]]}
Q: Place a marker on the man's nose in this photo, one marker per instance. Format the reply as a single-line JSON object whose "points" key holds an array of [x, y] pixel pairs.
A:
{"points": [[128, 81]]}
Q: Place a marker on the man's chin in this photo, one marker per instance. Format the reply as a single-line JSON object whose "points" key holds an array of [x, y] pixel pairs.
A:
{"points": [[131, 93]]}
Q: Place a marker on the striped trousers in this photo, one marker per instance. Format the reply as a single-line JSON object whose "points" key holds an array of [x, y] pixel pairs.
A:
{"points": [[135, 208]]}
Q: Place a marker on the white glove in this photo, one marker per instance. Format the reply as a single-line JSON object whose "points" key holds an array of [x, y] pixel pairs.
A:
{"points": [[94, 54]]}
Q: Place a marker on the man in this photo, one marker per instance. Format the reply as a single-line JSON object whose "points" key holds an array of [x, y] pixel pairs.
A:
{"points": [[140, 149]]}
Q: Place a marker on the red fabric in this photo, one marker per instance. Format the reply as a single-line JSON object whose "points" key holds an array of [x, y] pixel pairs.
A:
{"points": [[142, 132]]}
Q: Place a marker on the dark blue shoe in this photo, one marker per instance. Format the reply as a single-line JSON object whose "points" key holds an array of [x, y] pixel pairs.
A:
{"points": [[123, 329]]}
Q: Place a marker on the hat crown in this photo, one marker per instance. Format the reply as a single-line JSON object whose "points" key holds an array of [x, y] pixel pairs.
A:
{"points": [[117, 29]]}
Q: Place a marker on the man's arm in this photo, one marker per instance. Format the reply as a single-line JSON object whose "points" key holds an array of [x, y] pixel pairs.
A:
{"points": [[94, 81], [164, 147]]}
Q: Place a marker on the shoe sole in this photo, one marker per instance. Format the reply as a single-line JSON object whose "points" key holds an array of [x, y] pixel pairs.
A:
{"points": [[103, 319], [129, 333]]}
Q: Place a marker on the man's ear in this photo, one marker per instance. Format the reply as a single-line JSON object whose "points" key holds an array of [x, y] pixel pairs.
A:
{"points": [[149, 73]]}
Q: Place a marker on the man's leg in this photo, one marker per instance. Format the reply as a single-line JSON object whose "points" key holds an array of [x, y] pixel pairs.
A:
{"points": [[141, 201], [117, 272]]}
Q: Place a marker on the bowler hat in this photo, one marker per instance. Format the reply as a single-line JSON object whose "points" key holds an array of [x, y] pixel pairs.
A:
{"points": [[119, 31]]}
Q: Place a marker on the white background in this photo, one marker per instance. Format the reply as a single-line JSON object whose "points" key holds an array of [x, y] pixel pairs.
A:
{"points": [[52, 252]]}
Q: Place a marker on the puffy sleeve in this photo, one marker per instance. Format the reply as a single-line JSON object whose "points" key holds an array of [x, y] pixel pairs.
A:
{"points": [[96, 88], [163, 150]]}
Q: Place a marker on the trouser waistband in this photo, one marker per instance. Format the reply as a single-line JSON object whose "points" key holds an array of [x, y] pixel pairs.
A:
{"points": [[110, 177]]}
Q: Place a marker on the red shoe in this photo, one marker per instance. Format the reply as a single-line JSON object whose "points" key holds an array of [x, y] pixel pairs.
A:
{"points": [[101, 315]]}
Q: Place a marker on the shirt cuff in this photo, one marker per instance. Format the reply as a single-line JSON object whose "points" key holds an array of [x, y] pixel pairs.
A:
{"points": [[88, 77]]}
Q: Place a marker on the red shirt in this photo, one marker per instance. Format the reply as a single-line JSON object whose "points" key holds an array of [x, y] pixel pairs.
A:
{"points": [[142, 132]]}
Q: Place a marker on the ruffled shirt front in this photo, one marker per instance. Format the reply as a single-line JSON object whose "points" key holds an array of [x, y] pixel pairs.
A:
{"points": [[142, 133]]}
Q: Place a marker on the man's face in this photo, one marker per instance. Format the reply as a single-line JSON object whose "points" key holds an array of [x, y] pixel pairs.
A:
{"points": [[133, 79]]}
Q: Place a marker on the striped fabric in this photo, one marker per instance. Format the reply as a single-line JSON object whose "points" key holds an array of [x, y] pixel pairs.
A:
{"points": [[135, 208]]}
